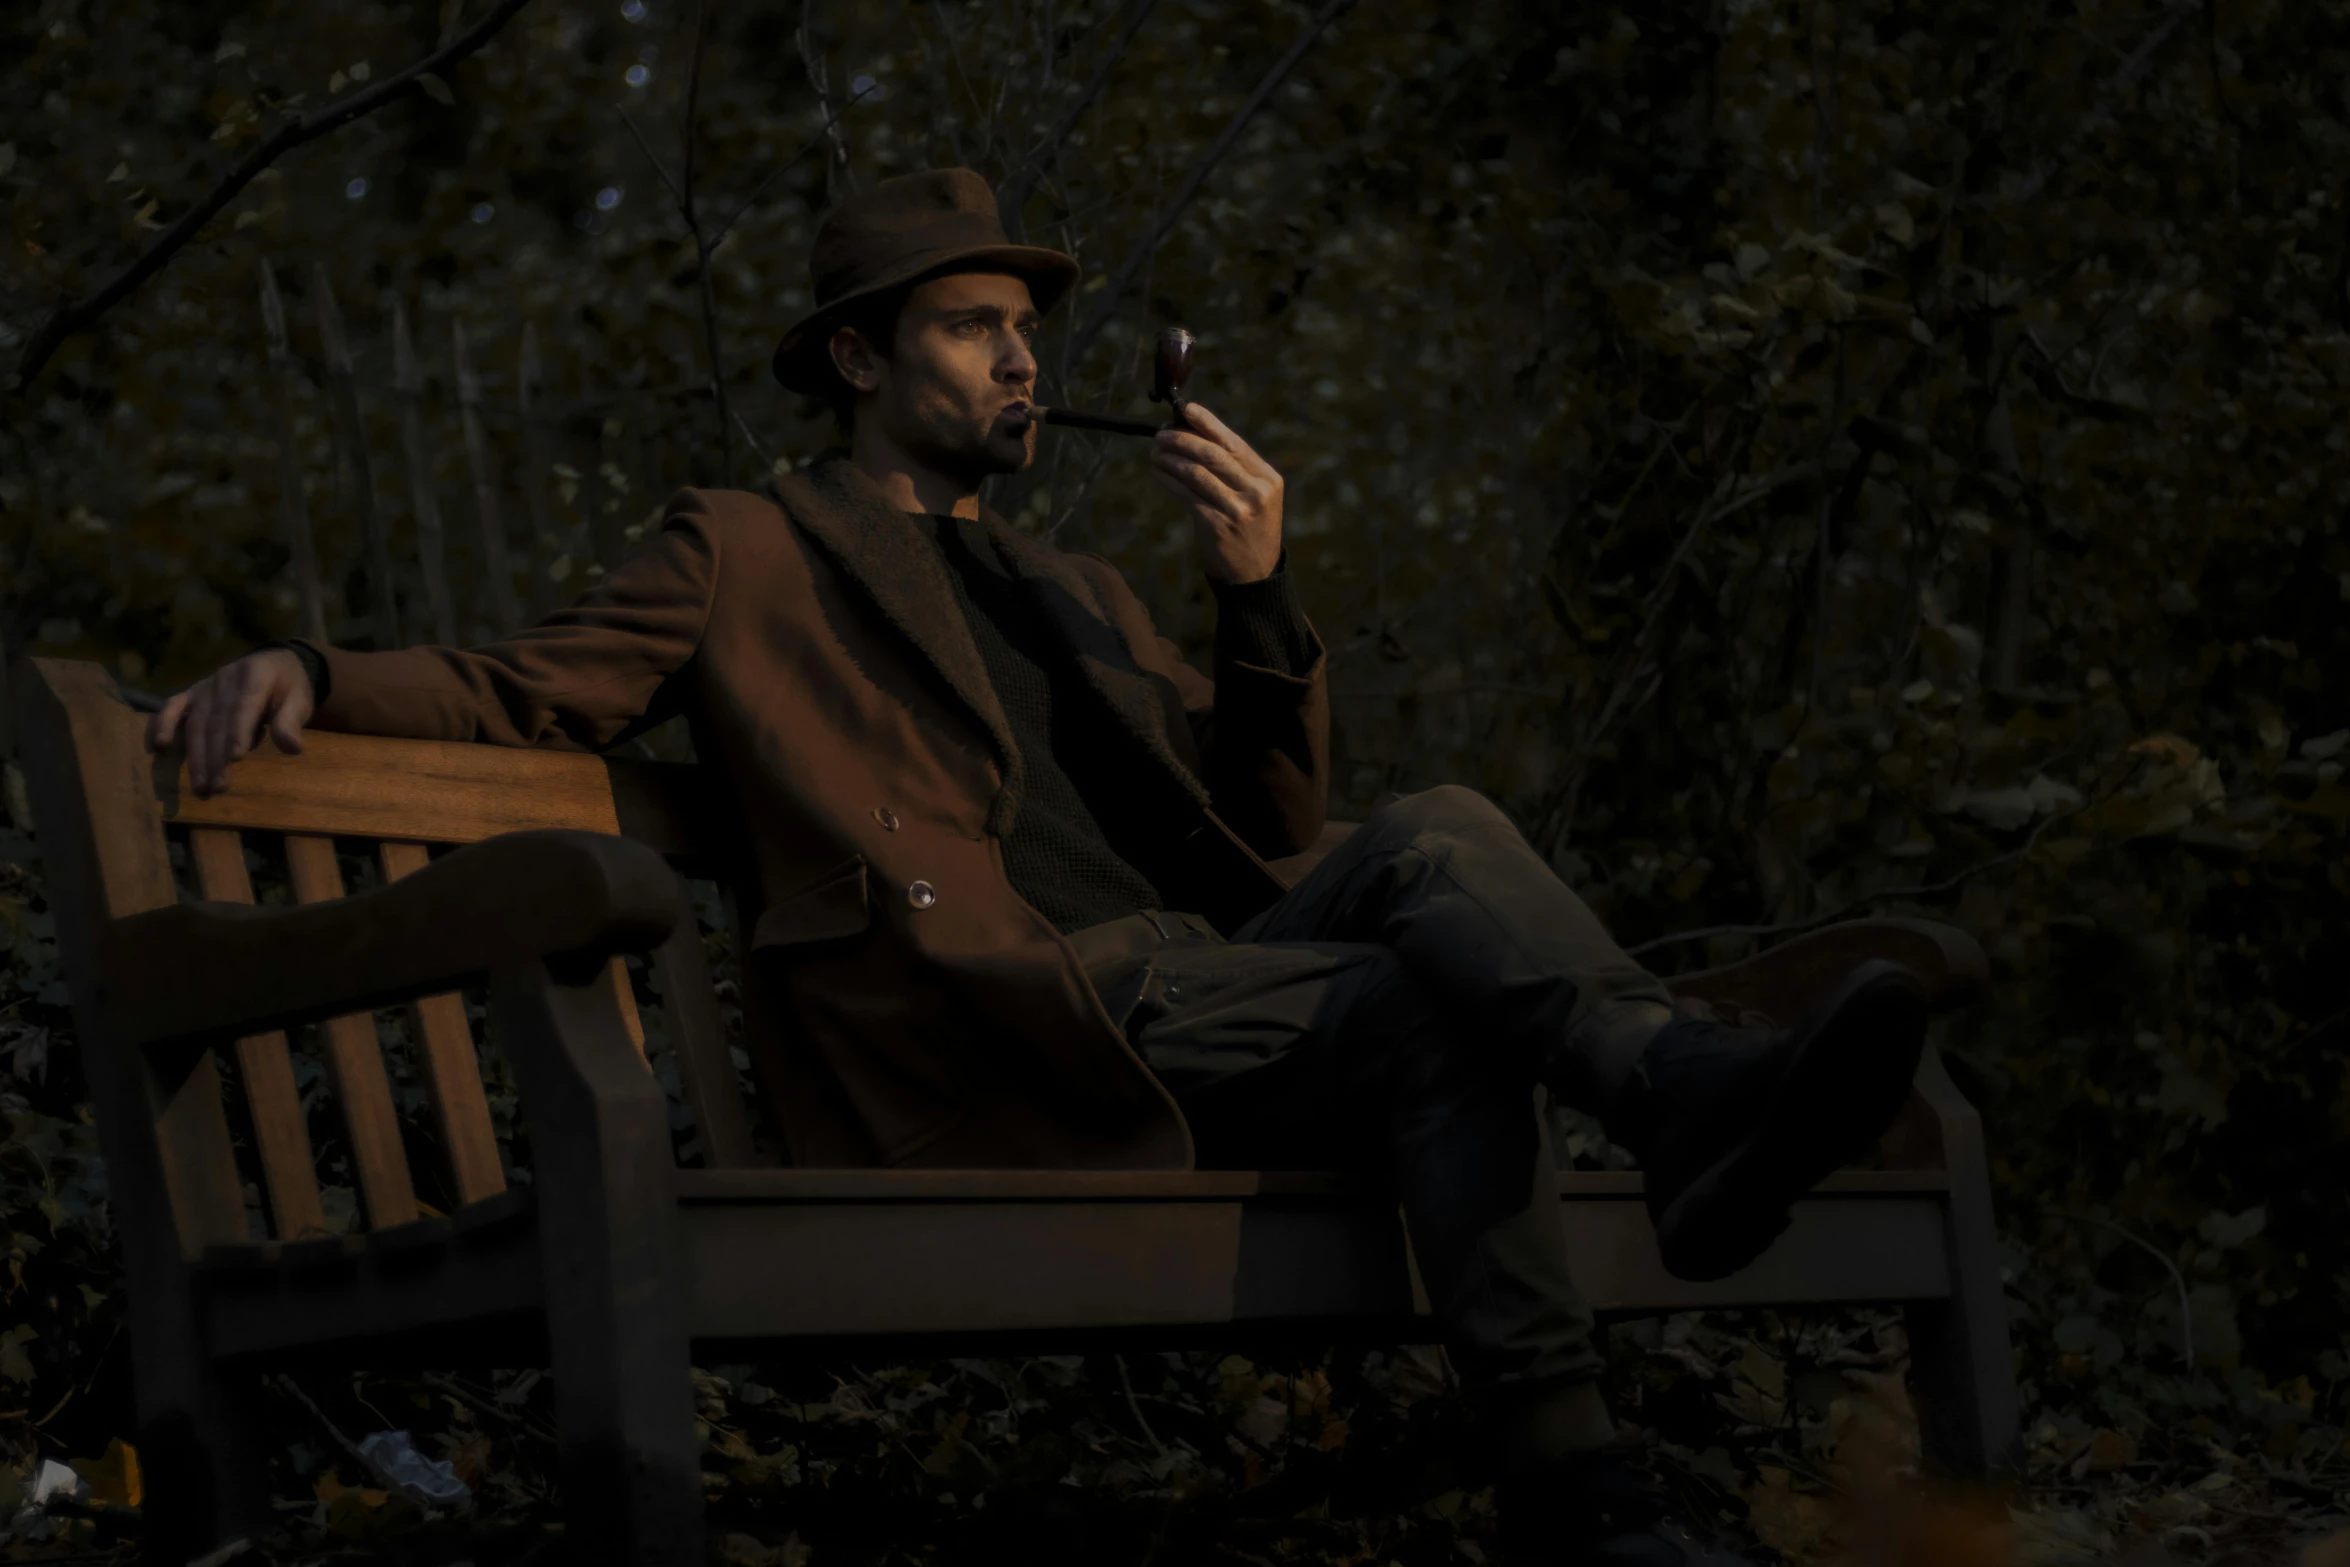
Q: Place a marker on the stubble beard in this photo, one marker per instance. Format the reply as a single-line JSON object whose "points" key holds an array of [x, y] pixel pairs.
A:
{"points": [[965, 442]]}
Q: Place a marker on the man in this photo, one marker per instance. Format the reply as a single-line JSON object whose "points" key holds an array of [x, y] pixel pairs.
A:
{"points": [[1012, 853]]}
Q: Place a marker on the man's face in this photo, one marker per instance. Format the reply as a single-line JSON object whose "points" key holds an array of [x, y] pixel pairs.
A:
{"points": [[955, 391]]}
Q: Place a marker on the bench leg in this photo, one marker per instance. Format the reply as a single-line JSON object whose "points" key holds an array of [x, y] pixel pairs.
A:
{"points": [[1962, 1368], [1964, 1389], [205, 1467], [616, 1323]]}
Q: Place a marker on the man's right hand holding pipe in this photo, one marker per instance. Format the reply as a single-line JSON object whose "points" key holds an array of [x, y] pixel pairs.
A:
{"points": [[1235, 495]]}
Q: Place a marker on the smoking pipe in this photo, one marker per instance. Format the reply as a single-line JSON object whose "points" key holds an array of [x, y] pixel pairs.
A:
{"points": [[1170, 375]]}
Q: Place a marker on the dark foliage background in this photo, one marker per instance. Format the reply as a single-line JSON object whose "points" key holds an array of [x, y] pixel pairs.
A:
{"points": [[1795, 454]]}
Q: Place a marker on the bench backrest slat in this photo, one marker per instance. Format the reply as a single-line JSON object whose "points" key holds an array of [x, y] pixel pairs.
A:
{"points": [[355, 1063], [452, 1073], [705, 1066], [280, 1134]]}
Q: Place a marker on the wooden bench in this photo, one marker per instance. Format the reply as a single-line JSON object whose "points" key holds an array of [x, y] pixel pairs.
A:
{"points": [[617, 1267]]}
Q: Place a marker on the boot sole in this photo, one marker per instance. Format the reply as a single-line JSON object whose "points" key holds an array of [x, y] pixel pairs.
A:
{"points": [[1849, 1073]]}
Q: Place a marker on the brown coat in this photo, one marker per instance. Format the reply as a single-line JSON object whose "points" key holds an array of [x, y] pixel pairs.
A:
{"points": [[922, 1013]]}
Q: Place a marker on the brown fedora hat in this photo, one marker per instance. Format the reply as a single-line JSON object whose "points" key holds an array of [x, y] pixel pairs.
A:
{"points": [[901, 231]]}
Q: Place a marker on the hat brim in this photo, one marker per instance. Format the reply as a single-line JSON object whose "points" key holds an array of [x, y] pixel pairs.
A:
{"points": [[803, 359]]}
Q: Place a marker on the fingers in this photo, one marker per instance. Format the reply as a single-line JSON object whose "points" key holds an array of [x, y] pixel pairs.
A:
{"points": [[1200, 417], [247, 703], [287, 716], [1202, 429], [1222, 462], [164, 727], [1201, 485]]}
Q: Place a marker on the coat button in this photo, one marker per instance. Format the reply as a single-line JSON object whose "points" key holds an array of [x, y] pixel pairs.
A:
{"points": [[921, 894], [887, 817]]}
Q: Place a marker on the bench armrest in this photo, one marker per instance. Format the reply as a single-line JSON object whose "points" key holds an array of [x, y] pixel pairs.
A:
{"points": [[203, 973]]}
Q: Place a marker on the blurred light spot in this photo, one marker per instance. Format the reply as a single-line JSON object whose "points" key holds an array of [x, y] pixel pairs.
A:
{"points": [[634, 10], [357, 188], [483, 212], [861, 84], [583, 218], [638, 76], [608, 198]]}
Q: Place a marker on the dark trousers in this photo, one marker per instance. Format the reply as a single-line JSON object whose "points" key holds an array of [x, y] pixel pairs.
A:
{"points": [[1395, 1012]]}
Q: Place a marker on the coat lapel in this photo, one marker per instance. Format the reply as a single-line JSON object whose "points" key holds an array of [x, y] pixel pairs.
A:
{"points": [[1110, 666], [883, 551], [886, 554]]}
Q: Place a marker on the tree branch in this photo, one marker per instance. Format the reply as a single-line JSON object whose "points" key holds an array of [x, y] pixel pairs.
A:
{"points": [[2125, 77], [681, 193], [718, 235], [703, 247], [1015, 191], [1165, 221], [820, 78], [79, 315]]}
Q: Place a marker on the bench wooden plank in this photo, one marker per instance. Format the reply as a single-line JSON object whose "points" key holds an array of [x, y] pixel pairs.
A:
{"points": [[934, 1186], [423, 791], [355, 1063], [863, 1269], [452, 1072], [445, 791], [379, 1294], [281, 1134], [1838, 1250], [849, 1269]]}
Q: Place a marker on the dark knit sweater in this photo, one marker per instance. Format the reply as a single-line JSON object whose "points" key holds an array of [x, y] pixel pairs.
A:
{"points": [[1071, 850]]}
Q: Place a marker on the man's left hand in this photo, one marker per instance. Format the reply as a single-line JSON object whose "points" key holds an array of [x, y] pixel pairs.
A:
{"points": [[1234, 495]]}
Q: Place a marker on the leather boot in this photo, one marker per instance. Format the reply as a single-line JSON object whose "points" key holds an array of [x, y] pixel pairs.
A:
{"points": [[1599, 1510], [1733, 1124]]}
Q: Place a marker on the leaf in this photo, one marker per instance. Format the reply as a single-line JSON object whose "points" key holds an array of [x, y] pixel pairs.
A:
{"points": [[437, 90], [15, 1364], [2227, 1231], [2167, 748], [1265, 1421], [2332, 1551], [1794, 1523], [113, 1476], [2110, 1449], [2064, 1537]]}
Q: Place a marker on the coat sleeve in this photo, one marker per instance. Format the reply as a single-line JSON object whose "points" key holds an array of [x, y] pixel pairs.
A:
{"points": [[581, 679], [1262, 733]]}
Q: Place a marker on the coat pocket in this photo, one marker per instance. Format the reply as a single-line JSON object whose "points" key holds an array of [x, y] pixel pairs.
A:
{"points": [[833, 908]]}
